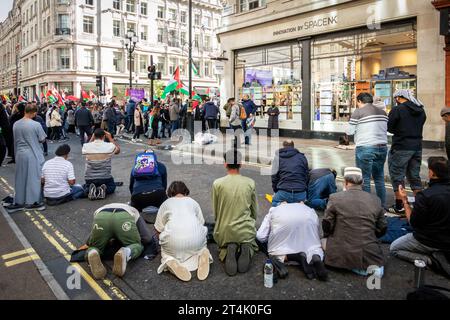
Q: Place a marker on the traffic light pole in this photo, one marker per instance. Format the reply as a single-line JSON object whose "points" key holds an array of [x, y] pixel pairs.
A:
{"points": [[151, 85], [189, 114]]}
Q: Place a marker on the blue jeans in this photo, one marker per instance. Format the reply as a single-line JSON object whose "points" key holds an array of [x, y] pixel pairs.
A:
{"points": [[289, 197], [320, 190], [371, 161], [174, 126], [77, 192]]}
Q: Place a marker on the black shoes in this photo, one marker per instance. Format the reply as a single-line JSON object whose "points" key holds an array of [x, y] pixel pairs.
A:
{"points": [[319, 268], [244, 258], [316, 269], [231, 267], [279, 267]]}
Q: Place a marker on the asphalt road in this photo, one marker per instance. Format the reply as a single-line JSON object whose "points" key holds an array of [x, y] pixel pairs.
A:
{"points": [[56, 232]]}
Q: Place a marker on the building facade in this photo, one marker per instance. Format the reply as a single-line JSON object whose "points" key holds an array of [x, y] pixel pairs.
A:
{"points": [[312, 58], [67, 43]]}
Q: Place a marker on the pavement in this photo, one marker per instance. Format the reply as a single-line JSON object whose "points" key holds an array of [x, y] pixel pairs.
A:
{"points": [[57, 231]]}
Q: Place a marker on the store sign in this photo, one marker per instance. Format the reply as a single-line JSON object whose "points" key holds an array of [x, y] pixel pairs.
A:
{"points": [[315, 23], [219, 68]]}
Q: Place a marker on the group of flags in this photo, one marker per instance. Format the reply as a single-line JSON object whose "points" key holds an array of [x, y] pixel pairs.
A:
{"points": [[175, 84], [53, 96]]}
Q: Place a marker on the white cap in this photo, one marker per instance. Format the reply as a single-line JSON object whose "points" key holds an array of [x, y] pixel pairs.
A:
{"points": [[352, 171]]}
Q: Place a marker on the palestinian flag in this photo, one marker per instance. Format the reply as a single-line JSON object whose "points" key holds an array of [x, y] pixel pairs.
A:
{"points": [[21, 99], [51, 99], [36, 98], [92, 95], [174, 84], [195, 70], [84, 96], [42, 97], [196, 97], [127, 92]]}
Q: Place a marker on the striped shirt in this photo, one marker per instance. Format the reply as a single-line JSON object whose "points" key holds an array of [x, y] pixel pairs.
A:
{"points": [[369, 126], [57, 172], [98, 156]]}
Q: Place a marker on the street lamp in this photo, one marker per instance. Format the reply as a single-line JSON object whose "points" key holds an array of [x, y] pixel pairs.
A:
{"points": [[131, 46], [190, 118]]}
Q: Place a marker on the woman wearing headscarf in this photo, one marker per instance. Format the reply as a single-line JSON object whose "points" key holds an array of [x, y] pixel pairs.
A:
{"points": [[406, 121], [18, 113]]}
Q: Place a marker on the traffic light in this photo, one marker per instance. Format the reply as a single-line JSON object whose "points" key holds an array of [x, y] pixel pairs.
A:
{"points": [[151, 72], [99, 82]]}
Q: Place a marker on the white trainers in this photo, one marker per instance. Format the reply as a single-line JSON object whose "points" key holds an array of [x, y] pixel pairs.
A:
{"points": [[95, 263], [120, 261], [92, 192], [133, 140]]}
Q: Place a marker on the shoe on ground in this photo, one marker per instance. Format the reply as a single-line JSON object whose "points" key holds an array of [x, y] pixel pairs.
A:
{"points": [[11, 162], [15, 208], [45, 154], [231, 267], [280, 267], [120, 261], [245, 258], [319, 269], [95, 263], [179, 271], [394, 210], [203, 265], [133, 140], [140, 140], [92, 192], [38, 206], [101, 195]]}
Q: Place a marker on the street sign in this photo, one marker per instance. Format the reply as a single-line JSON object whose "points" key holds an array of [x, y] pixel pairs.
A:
{"points": [[445, 22], [219, 68]]}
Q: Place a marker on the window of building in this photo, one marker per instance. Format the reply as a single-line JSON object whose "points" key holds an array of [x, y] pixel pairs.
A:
{"points": [[247, 5], [207, 69], [144, 8], [144, 33], [208, 22], [182, 38], [183, 16], [90, 2], [88, 24], [63, 58], [89, 59], [197, 19], [197, 66], [131, 6], [160, 35], [196, 40], [143, 63], [160, 12], [116, 28], [161, 66], [118, 61], [131, 27], [207, 45], [172, 14], [172, 65], [173, 38], [117, 4]]}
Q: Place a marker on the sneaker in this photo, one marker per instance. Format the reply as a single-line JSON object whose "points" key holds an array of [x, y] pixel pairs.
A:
{"points": [[95, 263], [244, 258], [120, 261], [133, 140], [36, 206], [15, 208], [394, 210], [45, 154], [140, 140], [231, 267], [92, 192], [101, 195], [179, 271], [203, 265]]}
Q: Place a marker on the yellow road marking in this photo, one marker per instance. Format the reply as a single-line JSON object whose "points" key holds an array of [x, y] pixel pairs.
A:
{"points": [[7, 184], [17, 254], [94, 285], [21, 260]]}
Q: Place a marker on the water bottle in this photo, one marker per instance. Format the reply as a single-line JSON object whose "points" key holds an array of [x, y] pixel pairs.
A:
{"points": [[268, 274], [420, 273]]}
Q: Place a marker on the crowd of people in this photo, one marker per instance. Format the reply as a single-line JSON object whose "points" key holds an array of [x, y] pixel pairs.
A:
{"points": [[291, 232]]}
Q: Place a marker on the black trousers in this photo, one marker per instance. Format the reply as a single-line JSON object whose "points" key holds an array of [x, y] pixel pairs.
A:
{"points": [[155, 198], [212, 124], [137, 132], [83, 130], [2, 149]]}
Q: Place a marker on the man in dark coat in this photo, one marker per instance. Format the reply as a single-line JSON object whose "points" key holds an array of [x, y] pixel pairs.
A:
{"points": [[211, 113], [290, 180], [353, 222], [445, 114]]}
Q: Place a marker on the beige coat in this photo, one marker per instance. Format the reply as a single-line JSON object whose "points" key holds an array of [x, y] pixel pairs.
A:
{"points": [[353, 222], [55, 119], [137, 117]]}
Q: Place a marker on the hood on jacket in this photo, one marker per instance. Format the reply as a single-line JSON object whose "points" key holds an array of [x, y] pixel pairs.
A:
{"points": [[287, 153], [414, 109]]}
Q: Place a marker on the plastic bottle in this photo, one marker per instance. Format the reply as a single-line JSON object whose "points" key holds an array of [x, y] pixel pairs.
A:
{"points": [[268, 274], [420, 273]]}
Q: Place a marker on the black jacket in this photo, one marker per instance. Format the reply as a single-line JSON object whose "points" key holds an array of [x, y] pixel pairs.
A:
{"points": [[430, 218], [83, 117], [293, 171], [447, 139], [406, 123]]}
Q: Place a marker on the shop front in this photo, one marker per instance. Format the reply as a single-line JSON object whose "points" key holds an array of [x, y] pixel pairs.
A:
{"points": [[313, 66]]}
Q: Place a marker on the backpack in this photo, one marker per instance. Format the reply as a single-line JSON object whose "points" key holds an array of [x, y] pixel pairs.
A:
{"points": [[145, 165], [243, 113]]}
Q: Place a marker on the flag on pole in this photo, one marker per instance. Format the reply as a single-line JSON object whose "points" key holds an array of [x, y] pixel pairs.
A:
{"points": [[194, 69], [174, 84], [92, 95], [84, 96], [21, 99], [50, 97]]}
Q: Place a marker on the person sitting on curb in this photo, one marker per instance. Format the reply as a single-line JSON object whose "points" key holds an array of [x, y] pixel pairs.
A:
{"points": [[58, 179], [235, 211], [290, 181], [290, 232], [353, 222], [98, 152], [119, 222], [430, 219], [148, 182], [322, 184], [181, 230]]}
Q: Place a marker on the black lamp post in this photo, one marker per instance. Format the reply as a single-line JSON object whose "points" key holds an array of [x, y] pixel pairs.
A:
{"points": [[131, 46], [189, 116]]}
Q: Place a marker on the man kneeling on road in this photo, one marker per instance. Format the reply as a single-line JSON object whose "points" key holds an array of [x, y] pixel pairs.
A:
{"points": [[98, 152], [322, 184], [58, 179], [119, 222]]}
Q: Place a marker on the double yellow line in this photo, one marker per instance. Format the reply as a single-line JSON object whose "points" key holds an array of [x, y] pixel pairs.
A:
{"points": [[39, 220], [28, 255]]}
